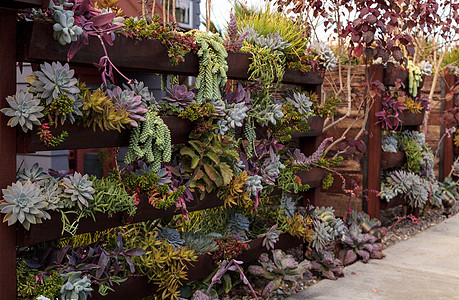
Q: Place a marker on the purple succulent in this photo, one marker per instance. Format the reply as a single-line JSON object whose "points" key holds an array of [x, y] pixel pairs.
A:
{"points": [[132, 103], [180, 96]]}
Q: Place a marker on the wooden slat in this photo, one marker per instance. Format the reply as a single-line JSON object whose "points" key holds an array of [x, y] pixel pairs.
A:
{"points": [[7, 150], [392, 160], [36, 44], [448, 153]]}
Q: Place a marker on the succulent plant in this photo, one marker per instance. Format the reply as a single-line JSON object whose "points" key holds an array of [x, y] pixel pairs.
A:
{"points": [[389, 144], [78, 189], [426, 68], [270, 170], [34, 175], [273, 41], [75, 287], [41, 297], [288, 206], [24, 109], [53, 80], [223, 126], [52, 193], [234, 40], [129, 101], [199, 242], [301, 160], [219, 108], [254, 184], [324, 264], [325, 55], [24, 203], [172, 236], [327, 227], [272, 113], [140, 89], [270, 237], [235, 114], [179, 96], [412, 187], [65, 31], [238, 224], [301, 101], [282, 269], [202, 295]]}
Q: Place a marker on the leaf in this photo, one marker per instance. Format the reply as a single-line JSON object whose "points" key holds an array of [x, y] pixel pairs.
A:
{"points": [[198, 173], [135, 252], [227, 284], [102, 19], [211, 172], [187, 151], [103, 261], [214, 157], [197, 145], [349, 258], [226, 172], [195, 161], [358, 50]]}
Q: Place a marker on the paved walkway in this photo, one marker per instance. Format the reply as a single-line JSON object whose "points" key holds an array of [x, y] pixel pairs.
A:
{"points": [[424, 267]]}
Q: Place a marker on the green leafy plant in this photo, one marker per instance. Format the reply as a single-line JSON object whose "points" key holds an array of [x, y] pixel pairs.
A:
{"points": [[210, 161]]}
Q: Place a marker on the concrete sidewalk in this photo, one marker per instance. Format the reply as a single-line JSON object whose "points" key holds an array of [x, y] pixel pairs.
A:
{"points": [[424, 267]]}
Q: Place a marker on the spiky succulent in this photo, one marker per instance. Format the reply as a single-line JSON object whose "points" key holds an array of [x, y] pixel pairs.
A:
{"points": [[53, 80], [238, 224], [140, 89], [172, 236], [273, 41], [34, 174], [199, 242], [129, 101], [325, 55], [75, 287], [301, 101], [78, 189], [24, 109], [412, 187], [254, 184], [270, 237], [235, 114], [65, 31], [179, 96], [327, 227], [24, 203]]}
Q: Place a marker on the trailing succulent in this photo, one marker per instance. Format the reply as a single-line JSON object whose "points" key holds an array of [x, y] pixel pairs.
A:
{"points": [[25, 110], [151, 141], [282, 270], [212, 66]]}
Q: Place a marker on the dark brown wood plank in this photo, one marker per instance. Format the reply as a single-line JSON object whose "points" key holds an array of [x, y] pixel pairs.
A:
{"points": [[138, 287], [448, 153], [392, 160], [19, 4], [7, 150], [373, 170], [36, 44], [51, 229], [86, 138]]}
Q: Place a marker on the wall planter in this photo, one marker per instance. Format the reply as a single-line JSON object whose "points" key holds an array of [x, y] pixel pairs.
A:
{"points": [[393, 160], [316, 124], [411, 119], [398, 200], [313, 177], [392, 73], [36, 44], [86, 138], [51, 229], [138, 287], [24, 3]]}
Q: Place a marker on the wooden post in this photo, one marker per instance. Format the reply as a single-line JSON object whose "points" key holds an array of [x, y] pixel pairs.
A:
{"points": [[7, 150], [372, 172], [448, 155]]}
